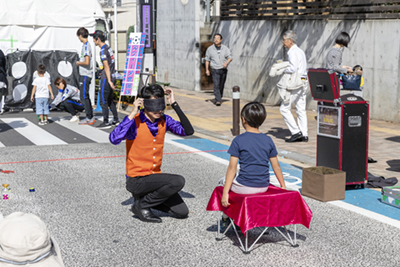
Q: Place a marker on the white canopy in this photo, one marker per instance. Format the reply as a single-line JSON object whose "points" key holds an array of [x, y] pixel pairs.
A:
{"points": [[55, 13], [46, 24]]}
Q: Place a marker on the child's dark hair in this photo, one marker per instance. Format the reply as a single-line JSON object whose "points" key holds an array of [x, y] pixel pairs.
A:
{"points": [[41, 69], [154, 90], [254, 114], [343, 39], [60, 80], [357, 67], [82, 32]]}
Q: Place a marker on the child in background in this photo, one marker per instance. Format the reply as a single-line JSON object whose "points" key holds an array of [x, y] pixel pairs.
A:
{"points": [[358, 70], [254, 151], [68, 99], [41, 90]]}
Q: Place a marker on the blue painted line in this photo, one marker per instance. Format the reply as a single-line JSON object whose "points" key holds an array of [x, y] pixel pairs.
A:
{"points": [[206, 145], [371, 200], [367, 199]]}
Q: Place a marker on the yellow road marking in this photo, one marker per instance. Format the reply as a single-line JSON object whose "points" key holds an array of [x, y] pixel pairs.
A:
{"points": [[226, 119], [384, 130], [207, 124]]}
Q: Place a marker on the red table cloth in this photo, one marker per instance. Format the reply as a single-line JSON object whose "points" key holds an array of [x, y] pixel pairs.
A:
{"points": [[276, 207]]}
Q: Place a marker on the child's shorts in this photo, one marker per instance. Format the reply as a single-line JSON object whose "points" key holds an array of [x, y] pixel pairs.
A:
{"points": [[42, 106]]}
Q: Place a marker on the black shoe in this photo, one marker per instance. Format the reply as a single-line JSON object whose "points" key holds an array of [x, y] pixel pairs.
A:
{"points": [[218, 104], [145, 215], [295, 138], [371, 160], [115, 123], [304, 139], [104, 125]]}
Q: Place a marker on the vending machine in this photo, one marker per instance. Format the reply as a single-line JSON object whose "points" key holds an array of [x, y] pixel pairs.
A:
{"points": [[342, 127]]}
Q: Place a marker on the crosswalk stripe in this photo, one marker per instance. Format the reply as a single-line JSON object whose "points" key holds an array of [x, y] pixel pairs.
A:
{"points": [[87, 131], [32, 132], [2, 145]]}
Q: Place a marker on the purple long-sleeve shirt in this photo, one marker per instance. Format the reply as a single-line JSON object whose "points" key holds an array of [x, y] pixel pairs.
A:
{"points": [[126, 130]]}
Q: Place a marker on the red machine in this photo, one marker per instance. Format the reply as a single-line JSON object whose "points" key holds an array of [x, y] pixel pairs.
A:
{"points": [[342, 130]]}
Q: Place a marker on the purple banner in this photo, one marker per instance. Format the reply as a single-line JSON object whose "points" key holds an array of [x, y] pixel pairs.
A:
{"points": [[146, 24]]}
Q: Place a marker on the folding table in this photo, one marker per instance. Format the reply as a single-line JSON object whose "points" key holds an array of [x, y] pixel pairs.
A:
{"points": [[274, 208]]}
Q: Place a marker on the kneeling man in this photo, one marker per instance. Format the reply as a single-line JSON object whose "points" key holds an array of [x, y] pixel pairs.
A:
{"points": [[144, 132]]}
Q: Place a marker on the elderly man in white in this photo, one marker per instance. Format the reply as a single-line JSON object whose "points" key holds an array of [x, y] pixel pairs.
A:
{"points": [[298, 63]]}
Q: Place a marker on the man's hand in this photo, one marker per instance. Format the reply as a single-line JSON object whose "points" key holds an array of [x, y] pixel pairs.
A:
{"points": [[170, 97], [138, 103], [225, 65], [207, 72], [111, 85]]}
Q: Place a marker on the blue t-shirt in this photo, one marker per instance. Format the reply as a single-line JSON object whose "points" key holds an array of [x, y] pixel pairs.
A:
{"points": [[253, 151]]}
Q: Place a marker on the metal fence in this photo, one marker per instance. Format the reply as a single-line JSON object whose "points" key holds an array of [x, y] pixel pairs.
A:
{"points": [[309, 9]]}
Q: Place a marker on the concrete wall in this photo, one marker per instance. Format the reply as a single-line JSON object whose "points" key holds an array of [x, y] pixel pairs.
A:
{"points": [[256, 45], [178, 31]]}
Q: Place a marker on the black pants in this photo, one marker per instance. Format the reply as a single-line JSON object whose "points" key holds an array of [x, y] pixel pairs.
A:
{"points": [[106, 100], [84, 83], [159, 191], [70, 106], [219, 78]]}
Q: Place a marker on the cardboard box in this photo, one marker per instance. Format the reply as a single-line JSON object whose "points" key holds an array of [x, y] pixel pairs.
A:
{"points": [[391, 195], [323, 183]]}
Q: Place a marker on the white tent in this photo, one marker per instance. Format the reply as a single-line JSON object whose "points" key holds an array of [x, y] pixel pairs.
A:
{"points": [[46, 24]]}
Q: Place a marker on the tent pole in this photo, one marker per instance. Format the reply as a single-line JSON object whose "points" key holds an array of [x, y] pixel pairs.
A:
{"points": [[115, 35]]}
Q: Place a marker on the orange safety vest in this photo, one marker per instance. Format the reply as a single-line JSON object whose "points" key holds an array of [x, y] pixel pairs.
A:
{"points": [[144, 153]]}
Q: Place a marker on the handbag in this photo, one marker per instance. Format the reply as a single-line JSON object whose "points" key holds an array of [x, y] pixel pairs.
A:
{"points": [[351, 82]]}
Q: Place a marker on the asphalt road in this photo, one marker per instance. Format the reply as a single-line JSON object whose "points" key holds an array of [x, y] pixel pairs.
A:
{"points": [[81, 195]]}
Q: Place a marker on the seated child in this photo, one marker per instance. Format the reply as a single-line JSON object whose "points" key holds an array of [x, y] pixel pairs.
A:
{"points": [[255, 152], [357, 70]]}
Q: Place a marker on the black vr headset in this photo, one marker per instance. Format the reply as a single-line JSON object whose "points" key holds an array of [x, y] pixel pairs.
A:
{"points": [[153, 105]]}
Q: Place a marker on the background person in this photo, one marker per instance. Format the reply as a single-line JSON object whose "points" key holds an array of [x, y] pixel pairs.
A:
{"points": [[218, 56], [107, 80], [298, 63], [68, 99], [85, 65], [144, 132], [41, 90], [334, 56]]}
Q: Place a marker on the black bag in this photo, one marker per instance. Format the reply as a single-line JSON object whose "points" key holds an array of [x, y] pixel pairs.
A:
{"points": [[351, 82]]}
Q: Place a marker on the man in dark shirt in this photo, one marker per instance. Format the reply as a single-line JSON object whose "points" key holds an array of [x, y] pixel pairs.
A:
{"points": [[107, 80]]}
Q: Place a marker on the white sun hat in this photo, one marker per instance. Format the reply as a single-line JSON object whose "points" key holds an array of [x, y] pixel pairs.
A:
{"points": [[25, 240]]}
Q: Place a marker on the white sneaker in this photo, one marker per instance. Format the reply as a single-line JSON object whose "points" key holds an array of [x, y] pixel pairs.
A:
{"points": [[74, 119]]}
